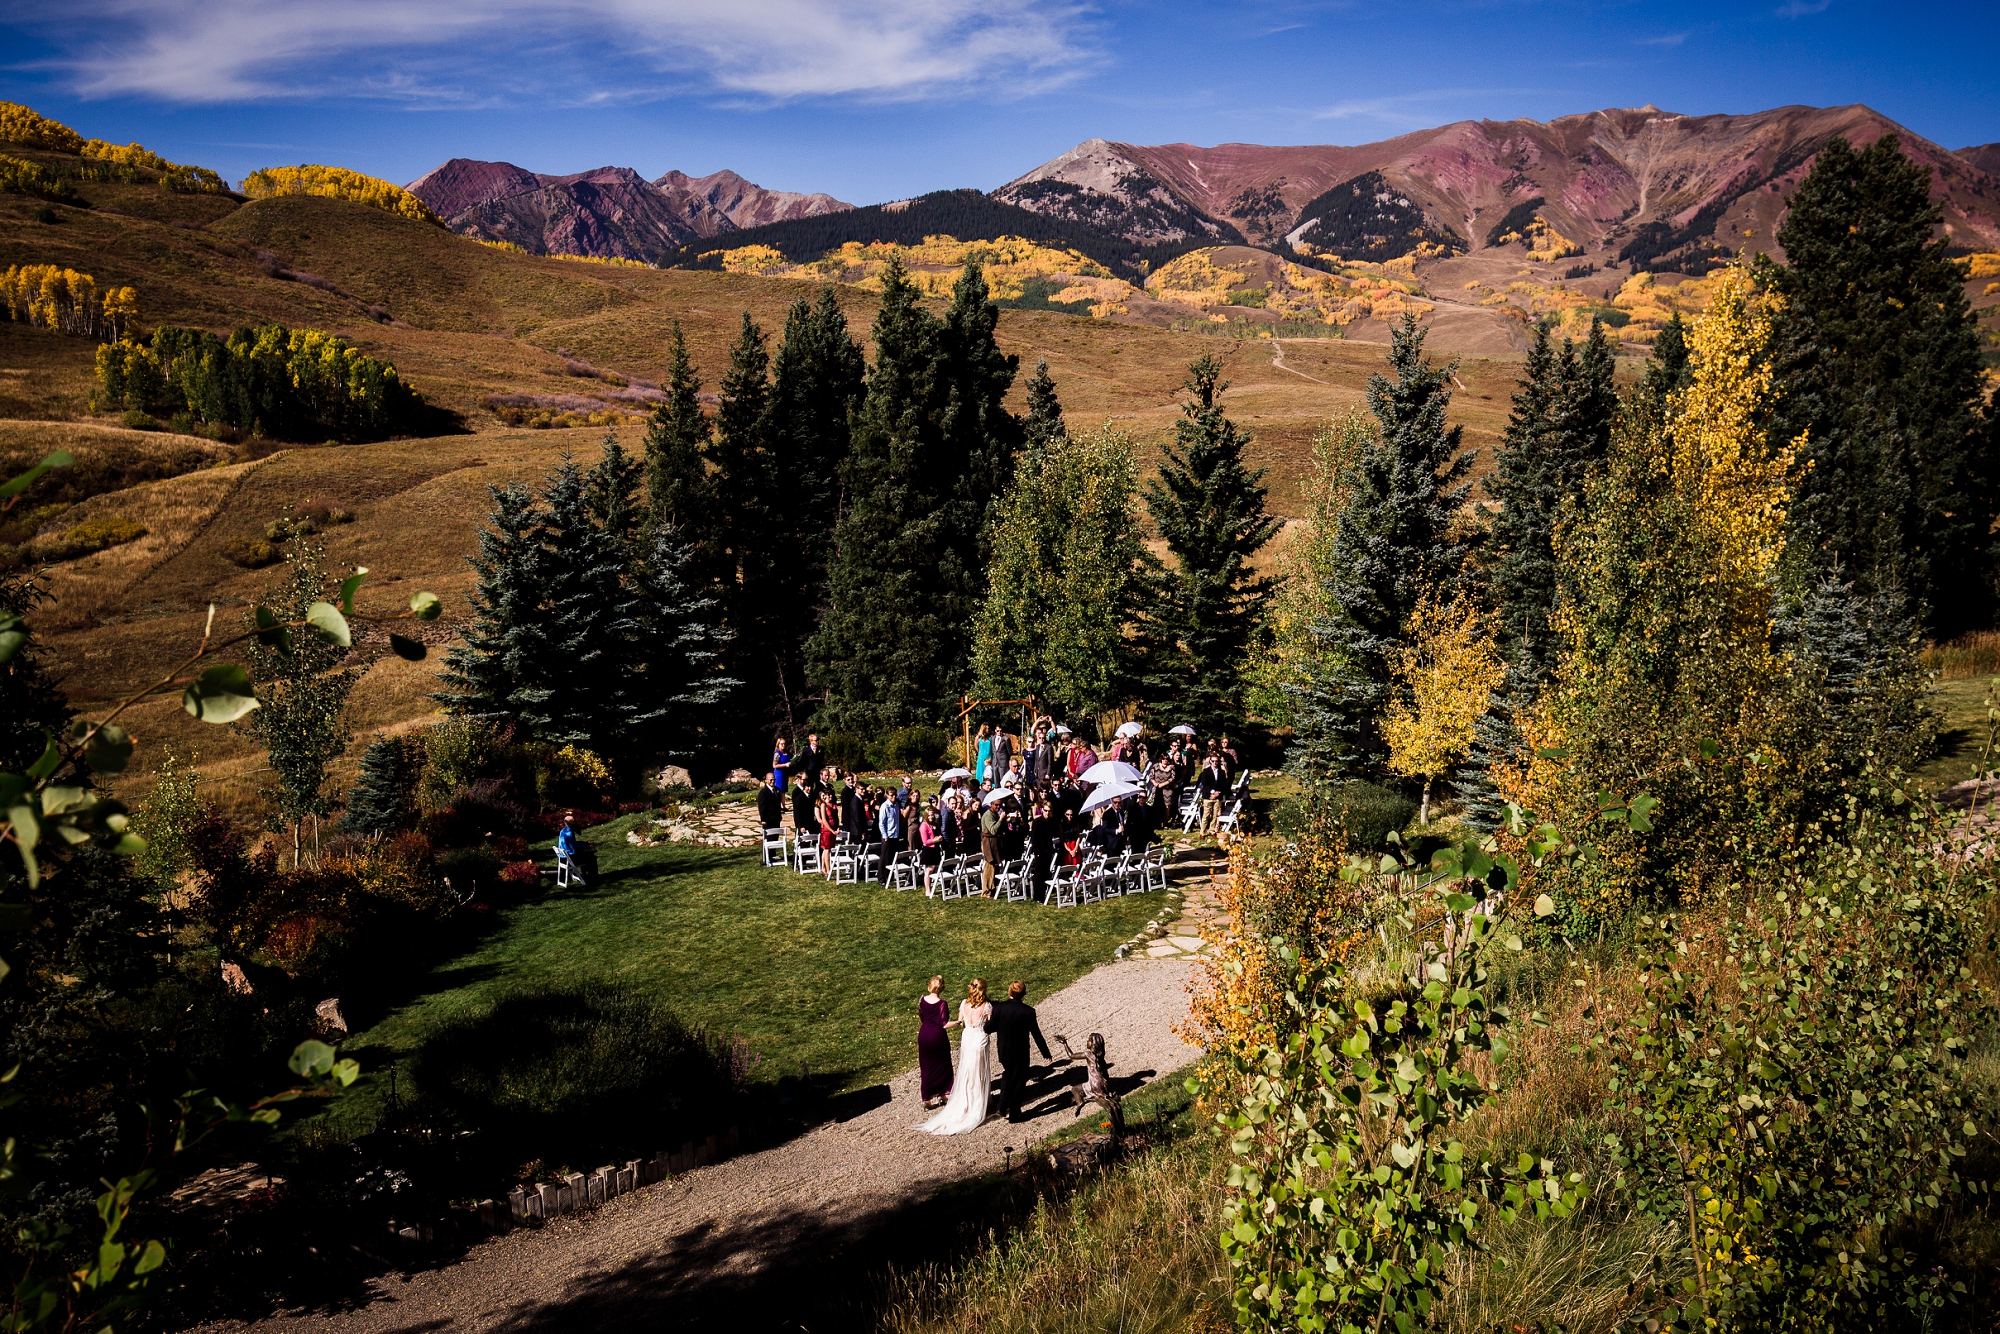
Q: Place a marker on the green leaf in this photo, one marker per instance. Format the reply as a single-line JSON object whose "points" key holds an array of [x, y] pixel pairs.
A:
{"points": [[325, 618], [54, 459], [311, 1057], [270, 632], [109, 750], [11, 788], [1710, 748], [1642, 808], [222, 694], [412, 650], [11, 642], [347, 587], [110, 1258], [48, 761], [154, 1256], [426, 606]]}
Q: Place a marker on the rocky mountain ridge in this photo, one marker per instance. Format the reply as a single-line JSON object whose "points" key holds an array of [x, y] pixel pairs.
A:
{"points": [[606, 212]]}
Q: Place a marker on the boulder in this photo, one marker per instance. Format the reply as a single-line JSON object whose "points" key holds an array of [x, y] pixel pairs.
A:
{"points": [[675, 776], [329, 1014]]}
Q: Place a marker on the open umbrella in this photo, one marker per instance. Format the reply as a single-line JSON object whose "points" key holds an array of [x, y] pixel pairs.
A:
{"points": [[1111, 771], [1000, 794], [1130, 729], [1107, 793], [1180, 729], [1061, 730], [950, 774]]}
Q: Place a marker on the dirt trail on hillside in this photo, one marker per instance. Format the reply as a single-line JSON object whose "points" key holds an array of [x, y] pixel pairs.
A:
{"points": [[673, 1255], [1278, 361]]}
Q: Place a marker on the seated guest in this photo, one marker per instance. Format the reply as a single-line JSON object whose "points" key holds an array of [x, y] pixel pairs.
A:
{"points": [[771, 802]]}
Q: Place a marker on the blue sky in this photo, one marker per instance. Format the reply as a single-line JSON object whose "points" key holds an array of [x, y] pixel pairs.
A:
{"points": [[879, 99]]}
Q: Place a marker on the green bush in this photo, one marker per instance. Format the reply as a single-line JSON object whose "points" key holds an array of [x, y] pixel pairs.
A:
{"points": [[913, 748], [463, 753], [135, 420], [88, 538], [844, 750], [1365, 813], [251, 553]]}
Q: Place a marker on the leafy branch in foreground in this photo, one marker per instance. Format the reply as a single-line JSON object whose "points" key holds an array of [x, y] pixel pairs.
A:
{"points": [[1351, 1190]]}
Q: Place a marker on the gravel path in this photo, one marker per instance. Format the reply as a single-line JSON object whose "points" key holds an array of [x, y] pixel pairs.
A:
{"points": [[658, 1258]]}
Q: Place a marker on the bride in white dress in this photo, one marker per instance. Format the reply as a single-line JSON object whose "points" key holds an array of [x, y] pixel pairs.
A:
{"points": [[966, 1108]]}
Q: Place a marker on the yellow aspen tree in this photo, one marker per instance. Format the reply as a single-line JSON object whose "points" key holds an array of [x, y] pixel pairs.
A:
{"points": [[1446, 675]]}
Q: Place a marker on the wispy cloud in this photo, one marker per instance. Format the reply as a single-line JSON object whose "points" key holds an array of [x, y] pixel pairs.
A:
{"points": [[1666, 39], [1796, 9], [465, 51], [1406, 110]]}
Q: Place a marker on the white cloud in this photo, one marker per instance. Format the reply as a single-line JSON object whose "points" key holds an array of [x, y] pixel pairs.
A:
{"points": [[1669, 39], [455, 51], [1793, 9]]}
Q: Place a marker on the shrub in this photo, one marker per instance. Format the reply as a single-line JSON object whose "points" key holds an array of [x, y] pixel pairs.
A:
{"points": [[460, 753], [475, 814], [139, 421], [914, 748], [467, 870], [251, 553], [1368, 813], [844, 750], [21, 177], [90, 537], [570, 776]]}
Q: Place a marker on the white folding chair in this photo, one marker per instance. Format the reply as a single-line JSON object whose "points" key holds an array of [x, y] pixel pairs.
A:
{"points": [[846, 863], [1090, 879], [1065, 885], [904, 870], [1129, 877], [1231, 819], [948, 882], [1190, 809], [774, 847], [1012, 884], [805, 855], [564, 870], [1155, 873]]}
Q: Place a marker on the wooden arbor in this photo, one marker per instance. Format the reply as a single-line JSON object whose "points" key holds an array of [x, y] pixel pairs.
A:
{"points": [[966, 707]]}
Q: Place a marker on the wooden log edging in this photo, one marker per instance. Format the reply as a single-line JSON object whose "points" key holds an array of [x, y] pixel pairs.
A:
{"points": [[576, 1193]]}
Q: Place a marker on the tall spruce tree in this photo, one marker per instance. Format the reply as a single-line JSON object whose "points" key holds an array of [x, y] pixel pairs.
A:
{"points": [[612, 492], [1202, 611], [1397, 539], [585, 698], [500, 666], [931, 447], [678, 488], [683, 640], [1554, 445], [747, 538], [816, 382], [1044, 426], [1879, 355]]}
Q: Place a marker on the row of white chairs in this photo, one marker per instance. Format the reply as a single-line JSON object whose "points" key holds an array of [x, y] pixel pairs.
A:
{"points": [[1094, 879], [1232, 810]]}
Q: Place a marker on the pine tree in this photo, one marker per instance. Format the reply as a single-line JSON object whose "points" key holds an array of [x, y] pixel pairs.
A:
{"points": [[1397, 540], [1202, 611], [816, 381], [302, 693], [586, 697], [1667, 371], [32, 706], [500, 667], [677, 438], [681, 634], [932, 447], [1044, 425], [747, 540], [384, 798], [1879, 354], [612, 492]]}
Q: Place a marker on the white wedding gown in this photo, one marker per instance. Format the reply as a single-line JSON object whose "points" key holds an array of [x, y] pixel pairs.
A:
{"points": [[966, 1108]]}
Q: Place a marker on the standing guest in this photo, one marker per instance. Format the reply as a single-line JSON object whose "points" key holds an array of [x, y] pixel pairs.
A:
{"points": [[1013, 1022], [853, 810], [1014, 777], [828, 818], [931, 840], [990, 826], [771, 802], [1230, 757], [1208, 790], [805, 824], [1163, 786], [1042, 830], [811, 760], [780, 763], [982, 770], [1003, 752], [934, 1025], [906, 794], [1035, 764], [1081, 757], [890, 822]]}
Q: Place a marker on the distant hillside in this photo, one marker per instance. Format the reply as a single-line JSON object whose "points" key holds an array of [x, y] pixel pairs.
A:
{"points": [[965, 214], [1639, 187], [608, 212]]}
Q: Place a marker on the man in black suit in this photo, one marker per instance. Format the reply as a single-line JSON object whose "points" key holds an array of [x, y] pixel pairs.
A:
{"points": [[770, 802], [810, 761], [1014, 1022]]}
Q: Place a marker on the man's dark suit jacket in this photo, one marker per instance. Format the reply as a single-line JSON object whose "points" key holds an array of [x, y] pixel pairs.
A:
{"points": [[1013, 1022], [770, 806]]}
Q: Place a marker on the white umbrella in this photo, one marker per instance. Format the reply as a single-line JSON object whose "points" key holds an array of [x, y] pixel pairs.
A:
{"points": [[1180, 729], [1130, 729], [1061, 730], [1111, 771], [1000, 794], [1106, 794], [950, 774]]}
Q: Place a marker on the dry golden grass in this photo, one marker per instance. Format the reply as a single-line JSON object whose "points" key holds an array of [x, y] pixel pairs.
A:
{"points": [[1974, 654]]}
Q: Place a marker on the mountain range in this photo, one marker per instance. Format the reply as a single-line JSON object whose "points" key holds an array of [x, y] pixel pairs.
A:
{"points": [[611, 211], [1640, 187]]}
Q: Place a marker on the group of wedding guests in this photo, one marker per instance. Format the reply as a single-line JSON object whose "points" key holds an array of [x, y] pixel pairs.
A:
{"points": [[1022, 797]]}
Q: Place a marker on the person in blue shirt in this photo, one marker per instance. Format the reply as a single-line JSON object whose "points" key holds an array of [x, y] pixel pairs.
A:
{"points": [[890, 822], [569, 847], [780, 761]]}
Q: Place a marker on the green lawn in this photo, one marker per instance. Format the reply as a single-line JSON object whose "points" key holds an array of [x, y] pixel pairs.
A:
{"points": [[1961, 704], [805, 971]]}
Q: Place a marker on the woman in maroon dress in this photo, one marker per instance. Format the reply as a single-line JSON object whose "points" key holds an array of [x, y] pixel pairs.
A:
{"points": [[934, 1023]]}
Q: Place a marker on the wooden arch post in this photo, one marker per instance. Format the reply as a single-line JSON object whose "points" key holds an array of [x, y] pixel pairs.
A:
{"points": [[966, 706]]}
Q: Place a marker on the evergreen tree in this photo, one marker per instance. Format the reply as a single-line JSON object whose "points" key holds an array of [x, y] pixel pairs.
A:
{"points": [[747, 542], [931, 446], [612, 492], [384, 797], [1667, 371], [677, 483], [500, 667], [683, 640], [816, 382], [1061, 590], [32, 705], [1202, 611], [1554, 445], [1044, 425], [1879, 355], [1398, 538], [302, 695]]}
